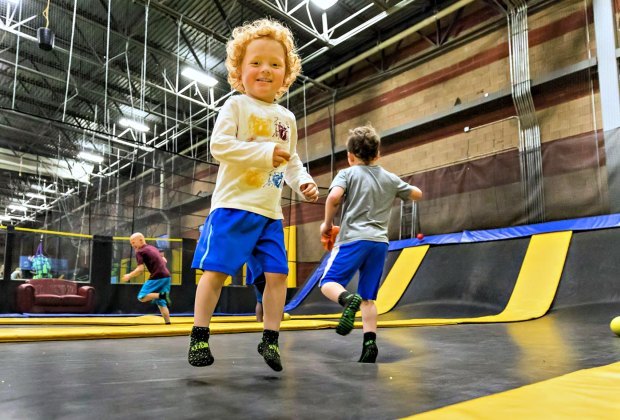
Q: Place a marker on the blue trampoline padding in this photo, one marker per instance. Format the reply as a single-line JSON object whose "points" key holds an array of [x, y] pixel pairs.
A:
{"points": [[582, 223], [312, 281]]}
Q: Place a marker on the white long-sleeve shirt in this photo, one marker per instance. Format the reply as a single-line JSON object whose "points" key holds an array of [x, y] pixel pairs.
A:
{"points": [[244, 137]]}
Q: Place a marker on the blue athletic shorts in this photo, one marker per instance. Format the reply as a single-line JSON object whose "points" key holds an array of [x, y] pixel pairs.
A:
{"points": [[259, 290], [155, 286], [231, 237], [366, 256], [255, 276]]}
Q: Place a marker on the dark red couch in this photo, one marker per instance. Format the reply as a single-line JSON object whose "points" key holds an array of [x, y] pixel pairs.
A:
{"points": [[55, 296]]}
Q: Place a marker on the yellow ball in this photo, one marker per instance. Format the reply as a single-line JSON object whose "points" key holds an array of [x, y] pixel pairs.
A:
{"points": [[287, 317], [615, 325]]}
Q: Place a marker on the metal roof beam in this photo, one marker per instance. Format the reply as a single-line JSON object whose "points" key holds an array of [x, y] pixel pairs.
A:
{"points": [[381, 5], [295, 22], [178, 16], [220, 9], [135, 42]]}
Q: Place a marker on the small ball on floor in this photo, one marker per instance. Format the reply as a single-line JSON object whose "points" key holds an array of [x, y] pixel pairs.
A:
{"points": [[615, 325]]}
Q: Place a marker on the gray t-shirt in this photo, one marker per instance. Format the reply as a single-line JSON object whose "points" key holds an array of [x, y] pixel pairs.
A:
{"points": [[369, 195]]}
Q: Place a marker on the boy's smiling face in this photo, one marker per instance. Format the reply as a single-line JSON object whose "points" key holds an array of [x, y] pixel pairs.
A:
{"points": [[263, 69]]}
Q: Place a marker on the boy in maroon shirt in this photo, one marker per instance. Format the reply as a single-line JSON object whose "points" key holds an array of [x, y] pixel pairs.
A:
{"points": [[157, 288]]}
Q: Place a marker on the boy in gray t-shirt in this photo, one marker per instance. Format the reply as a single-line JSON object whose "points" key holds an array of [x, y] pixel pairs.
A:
{"points": [[366, 192]]}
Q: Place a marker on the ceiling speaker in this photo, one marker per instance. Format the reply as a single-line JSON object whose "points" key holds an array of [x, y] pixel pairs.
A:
{"points": [[46, 38]]}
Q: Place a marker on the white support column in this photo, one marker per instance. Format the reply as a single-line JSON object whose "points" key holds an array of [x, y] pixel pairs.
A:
{"points": [[607, 63]]}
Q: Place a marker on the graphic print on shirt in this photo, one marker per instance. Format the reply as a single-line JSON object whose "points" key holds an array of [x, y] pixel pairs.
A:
{"points": [[260, 127], [281, 131], [269, 128], [276, 177], [254, 177]]}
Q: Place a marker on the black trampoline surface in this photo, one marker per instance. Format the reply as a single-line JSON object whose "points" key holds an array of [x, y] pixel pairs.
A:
{"points": [[419, 369]]}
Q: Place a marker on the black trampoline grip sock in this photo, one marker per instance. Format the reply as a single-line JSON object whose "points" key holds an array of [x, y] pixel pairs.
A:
{"points": [[271, 336], [370, 336], [201, 333], [343, 298]]}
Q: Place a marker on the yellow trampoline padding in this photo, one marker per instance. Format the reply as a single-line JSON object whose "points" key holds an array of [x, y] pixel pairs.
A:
{"points": [[534, 289], [394, 285], [584, 394], [136, 331], [116, 320]]}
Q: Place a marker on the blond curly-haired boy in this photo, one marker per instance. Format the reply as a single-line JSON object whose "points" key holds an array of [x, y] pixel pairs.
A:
{"points": [[254, 139]]}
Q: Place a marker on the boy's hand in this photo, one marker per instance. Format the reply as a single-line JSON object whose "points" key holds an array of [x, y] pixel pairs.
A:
{"points": [[310, 191], [280, 156], [326, 229], [328, 236], [126, 278]]}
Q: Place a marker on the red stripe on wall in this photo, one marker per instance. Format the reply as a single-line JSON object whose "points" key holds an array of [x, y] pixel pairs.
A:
{"points": [[536, 37]]}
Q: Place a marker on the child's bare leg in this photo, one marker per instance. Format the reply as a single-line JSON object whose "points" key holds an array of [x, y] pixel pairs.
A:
{"points": [[369, 316], [153, 296], [274, 298], [369, 320], [165, 312], [259, 312], [332, 290], [207, 295], [149, 297], [351, 303]]}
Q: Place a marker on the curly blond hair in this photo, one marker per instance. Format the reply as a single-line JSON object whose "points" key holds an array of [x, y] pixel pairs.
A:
{"points": [[241, 37]]}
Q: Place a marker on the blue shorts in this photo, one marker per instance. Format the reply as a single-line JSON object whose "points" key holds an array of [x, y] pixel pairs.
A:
{"points": [[155, 286], [232, 237], [259, 290], [366, 256], [256, 277]]}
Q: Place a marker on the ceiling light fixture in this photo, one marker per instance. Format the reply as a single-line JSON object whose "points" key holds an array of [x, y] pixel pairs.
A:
{"points": [[50, 188], [126, 122], [41, 207], [324, 4], [17, 207], [199, 76], [91, 157]]}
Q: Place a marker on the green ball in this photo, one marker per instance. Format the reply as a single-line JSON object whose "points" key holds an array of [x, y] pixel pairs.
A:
{"points": [[615, 325]]}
